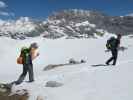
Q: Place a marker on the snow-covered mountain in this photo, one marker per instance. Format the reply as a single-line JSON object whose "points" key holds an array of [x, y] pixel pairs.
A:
{"points": [[19, 29], [71, 23], [87, 23]]}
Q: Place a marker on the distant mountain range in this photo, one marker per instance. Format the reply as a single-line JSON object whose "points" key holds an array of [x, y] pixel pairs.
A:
{"points": [[71, 23]]}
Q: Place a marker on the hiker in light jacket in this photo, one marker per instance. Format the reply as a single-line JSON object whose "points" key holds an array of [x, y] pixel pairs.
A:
{"points": [[26, 57]]}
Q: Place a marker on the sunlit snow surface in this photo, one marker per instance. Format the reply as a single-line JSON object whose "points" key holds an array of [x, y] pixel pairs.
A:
{"points": [[79, 82]]}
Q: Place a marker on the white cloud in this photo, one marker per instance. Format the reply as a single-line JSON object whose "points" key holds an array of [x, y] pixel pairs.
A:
{"points": [[4, 13], [131, 14], [2, 4]]}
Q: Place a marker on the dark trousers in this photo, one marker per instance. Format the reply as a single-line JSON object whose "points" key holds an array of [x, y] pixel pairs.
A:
{"points": [[114, 57], [27, 68]]}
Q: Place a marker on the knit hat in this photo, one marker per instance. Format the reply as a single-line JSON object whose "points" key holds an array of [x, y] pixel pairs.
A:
{"points": [[34, 45]]}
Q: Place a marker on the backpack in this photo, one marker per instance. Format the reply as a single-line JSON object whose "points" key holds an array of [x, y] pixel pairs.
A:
{"points": [[25, 56], [111, 43]]}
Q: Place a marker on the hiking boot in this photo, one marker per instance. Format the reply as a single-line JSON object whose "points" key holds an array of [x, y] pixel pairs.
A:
{"points": [[107, 63], [31, 81], [113, 64], [16, 82]]}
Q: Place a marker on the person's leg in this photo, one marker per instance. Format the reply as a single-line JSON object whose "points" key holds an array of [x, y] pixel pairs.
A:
{"points": [[110, 59], [22, 76], [31, 74], [115, 54]]}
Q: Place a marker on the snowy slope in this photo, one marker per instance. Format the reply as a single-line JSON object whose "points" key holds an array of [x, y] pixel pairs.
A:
{"points": [[79, 82]]}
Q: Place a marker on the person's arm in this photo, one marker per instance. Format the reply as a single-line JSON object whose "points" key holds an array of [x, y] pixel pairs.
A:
{"points": [[118, 44], [34, 54]]}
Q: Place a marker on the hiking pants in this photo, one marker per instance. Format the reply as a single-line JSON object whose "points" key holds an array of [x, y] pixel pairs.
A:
{"points": [[114, 56], [26, 68]]}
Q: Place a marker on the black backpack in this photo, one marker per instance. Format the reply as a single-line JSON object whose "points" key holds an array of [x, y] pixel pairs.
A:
{"points": [[111, 43]]}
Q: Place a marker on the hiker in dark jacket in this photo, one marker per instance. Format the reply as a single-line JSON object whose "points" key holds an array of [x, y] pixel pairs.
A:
{"points": [[26, 57], [114, 50]]}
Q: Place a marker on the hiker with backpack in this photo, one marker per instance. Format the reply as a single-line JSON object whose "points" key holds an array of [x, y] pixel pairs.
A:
{"points": [[113, 45], [26, 57]]}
